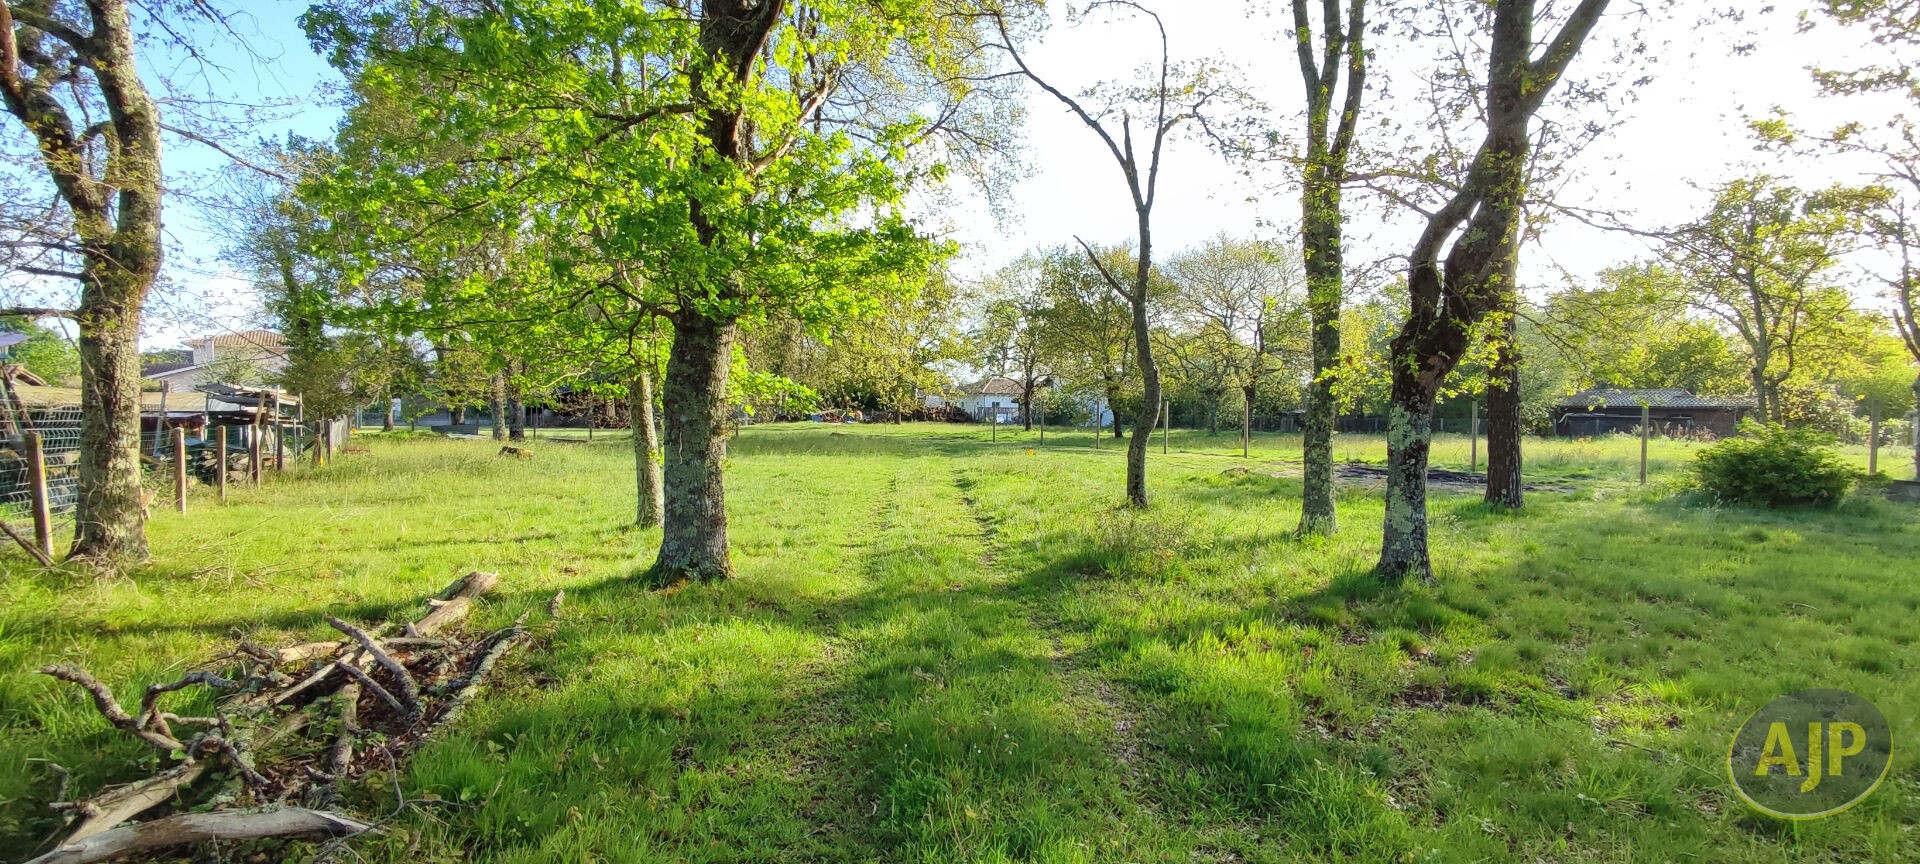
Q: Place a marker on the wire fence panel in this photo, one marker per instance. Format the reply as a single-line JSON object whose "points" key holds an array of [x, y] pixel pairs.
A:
{"points": [[59, 428]]}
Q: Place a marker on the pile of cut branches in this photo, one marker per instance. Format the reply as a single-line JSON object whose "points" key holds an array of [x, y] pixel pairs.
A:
{"points": [[291, 726]]}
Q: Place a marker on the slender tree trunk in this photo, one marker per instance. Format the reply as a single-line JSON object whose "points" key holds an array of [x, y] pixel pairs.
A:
{"points": [[386, 414], [1149, 416], [1403, 544], [109, 526], [1213, 416], [693, 544], [1113, 396], [516, 409], [1320, 230], [1915, 431], [1246, 420], [497, 404], [1503, 423], [1026, 405], [646, 466], [457, 414]]}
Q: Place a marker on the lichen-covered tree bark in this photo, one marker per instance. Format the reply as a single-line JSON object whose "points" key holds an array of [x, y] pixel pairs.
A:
{"points": [[1450, 295], [646, 444], [693, 543], [497, 404], [1323, 173], [109, 177]]}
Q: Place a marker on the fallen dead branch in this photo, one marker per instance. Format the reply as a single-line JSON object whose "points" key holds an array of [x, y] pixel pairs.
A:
{"points": [[188, 828], [287, 733], [31, 547]]}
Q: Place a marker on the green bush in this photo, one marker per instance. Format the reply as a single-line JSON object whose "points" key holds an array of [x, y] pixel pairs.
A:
{"points": [[1772, 466]]}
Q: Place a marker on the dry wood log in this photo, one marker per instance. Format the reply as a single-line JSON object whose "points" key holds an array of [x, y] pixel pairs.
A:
{"points": [[110, 808], [470, 686], [188, 828], [304, 652], [455, 603], [340, 757], [109, 708]]}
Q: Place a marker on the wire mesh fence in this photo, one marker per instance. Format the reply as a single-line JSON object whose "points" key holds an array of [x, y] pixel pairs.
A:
{"points": [[59, 429]]}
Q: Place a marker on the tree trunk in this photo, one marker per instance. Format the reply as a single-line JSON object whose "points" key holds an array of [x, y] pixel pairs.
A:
{"points": [[693, 544], [1246, 421], [1761, 403], [1503, 423], [497, 404], [1149, 417], [109, 525], [1213, 416], [116, 215], [516, 409], [386, 415], [1403, 543], [1915, 431], [457, 414], [1113, 396], [1026, 405], [645, 445], [1320, 230]]}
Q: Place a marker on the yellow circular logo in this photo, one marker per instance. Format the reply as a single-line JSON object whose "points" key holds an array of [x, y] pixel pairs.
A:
{"points": [[1810, 754]]}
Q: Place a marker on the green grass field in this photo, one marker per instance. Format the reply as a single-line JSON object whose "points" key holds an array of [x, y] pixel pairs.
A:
{"points": [[943, 649]]}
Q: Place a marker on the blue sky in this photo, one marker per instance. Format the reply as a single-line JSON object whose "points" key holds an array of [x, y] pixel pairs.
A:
{"points": [[1681, 132]]}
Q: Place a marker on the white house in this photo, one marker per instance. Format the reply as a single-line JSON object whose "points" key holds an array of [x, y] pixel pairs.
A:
{"points": [[221, 356], [996, 394]]}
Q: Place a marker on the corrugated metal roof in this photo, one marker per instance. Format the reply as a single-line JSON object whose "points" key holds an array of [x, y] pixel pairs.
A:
{"points": [[1669, 397]]}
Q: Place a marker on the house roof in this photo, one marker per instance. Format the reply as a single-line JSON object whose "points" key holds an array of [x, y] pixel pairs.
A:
{"points": [[995, 385], [263, 339], [157, 369], [218, 400], [1667, 397]]}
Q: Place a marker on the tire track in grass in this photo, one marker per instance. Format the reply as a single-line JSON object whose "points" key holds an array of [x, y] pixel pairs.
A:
{"points": [[1111, 717], [953, 738]]}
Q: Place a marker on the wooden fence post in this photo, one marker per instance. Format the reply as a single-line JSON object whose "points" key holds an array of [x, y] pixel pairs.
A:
{"points": [[1646, 423], [180, 469], [220, 464], [37, 486]]}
